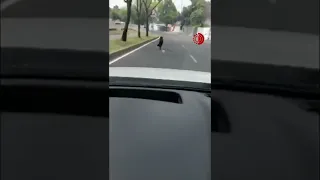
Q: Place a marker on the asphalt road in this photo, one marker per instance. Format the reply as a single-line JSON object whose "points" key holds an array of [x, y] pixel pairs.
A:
{"points": [[55, 9], [179, 53]]}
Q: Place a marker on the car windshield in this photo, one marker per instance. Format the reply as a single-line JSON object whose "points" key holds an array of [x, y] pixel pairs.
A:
{"points": [[167, 34], [175, 34], [273, 34]]}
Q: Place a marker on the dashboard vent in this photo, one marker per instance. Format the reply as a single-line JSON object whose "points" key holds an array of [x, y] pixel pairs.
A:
{"points": [[157, 95]]}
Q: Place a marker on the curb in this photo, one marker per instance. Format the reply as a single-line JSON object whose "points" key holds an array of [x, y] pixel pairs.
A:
{"points": [[119, 53]]}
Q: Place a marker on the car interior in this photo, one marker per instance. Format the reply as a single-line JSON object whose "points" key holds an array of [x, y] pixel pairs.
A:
{"points": [[65, 119], [257, 130], [274, 126], [54, 121], [158, 129]]}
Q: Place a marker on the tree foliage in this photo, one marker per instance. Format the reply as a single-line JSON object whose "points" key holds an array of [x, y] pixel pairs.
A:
{"points": [[137, 7], [149, 6], [118, 13], [196, 13], [138, 11], [168, 13]]}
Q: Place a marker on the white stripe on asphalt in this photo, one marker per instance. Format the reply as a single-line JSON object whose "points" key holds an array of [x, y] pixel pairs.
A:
{"points": [[194, 59], [8, 3], [117, 59]]}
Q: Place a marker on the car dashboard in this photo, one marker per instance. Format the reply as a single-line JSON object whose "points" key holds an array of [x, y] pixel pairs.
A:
{"points": [[159, 134], [54, 129], [155, 132]]}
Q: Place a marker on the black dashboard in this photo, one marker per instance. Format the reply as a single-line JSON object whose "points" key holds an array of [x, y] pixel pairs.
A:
{"points": [[154, 133], [252, 135], [159, 134], [271, 137], [54, 129]]}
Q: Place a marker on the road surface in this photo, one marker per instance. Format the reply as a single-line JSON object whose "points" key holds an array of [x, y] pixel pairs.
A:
{"points": [[179, 53]]}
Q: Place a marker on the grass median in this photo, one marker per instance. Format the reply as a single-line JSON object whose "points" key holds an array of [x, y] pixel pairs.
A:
{"points": [[117, 45], [119, 32]]}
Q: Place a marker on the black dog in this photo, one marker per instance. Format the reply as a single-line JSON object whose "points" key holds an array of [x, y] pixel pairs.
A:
{"points": [[160, 42]]}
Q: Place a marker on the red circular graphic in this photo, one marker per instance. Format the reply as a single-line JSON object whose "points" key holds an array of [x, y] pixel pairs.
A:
{"points": [[198, 38]]}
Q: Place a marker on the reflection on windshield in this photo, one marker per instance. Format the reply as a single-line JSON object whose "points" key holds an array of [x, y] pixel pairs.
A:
{"points": [[183, 26]]}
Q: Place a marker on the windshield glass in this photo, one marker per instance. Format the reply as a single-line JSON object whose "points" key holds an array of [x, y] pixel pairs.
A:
{"points": [[170, 34], [273, 34]]}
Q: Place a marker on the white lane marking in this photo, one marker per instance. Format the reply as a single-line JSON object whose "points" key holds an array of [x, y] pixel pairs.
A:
{"points": [[8, 3], [117, 59], [194, 59]]}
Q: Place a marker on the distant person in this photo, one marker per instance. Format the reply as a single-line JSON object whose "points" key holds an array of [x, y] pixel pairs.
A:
{"points": [[160, 42]]}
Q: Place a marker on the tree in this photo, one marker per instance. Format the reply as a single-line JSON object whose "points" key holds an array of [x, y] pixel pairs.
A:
{"points": [[134, 17], [116, 7], [126, 26], [118, 14], [195, 14], [148, 11], [138, 10], [115, 14], [179, 17], [122, 14], [185, 16], [197, 17], [134, 12], [168, 12]]}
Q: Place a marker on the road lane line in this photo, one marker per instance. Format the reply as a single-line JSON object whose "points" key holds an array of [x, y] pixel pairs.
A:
{"points": [[117, 59], [194, 59], [8, 3]]}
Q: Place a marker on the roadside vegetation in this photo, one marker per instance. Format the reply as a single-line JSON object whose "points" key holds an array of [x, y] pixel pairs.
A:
{"points": [[118, 44], [144, 12]]}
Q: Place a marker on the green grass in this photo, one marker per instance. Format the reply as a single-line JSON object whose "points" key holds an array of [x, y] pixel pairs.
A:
{"points": [[117, 44], [119, 32]]}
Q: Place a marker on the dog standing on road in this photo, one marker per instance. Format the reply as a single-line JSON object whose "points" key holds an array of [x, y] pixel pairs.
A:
{"points": [[160, 42]]}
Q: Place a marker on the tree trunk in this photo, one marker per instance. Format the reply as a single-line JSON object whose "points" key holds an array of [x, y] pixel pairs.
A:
{"points": [[147, 29], [139, 6], [139, 34], [126, 26], [147, 23]]}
